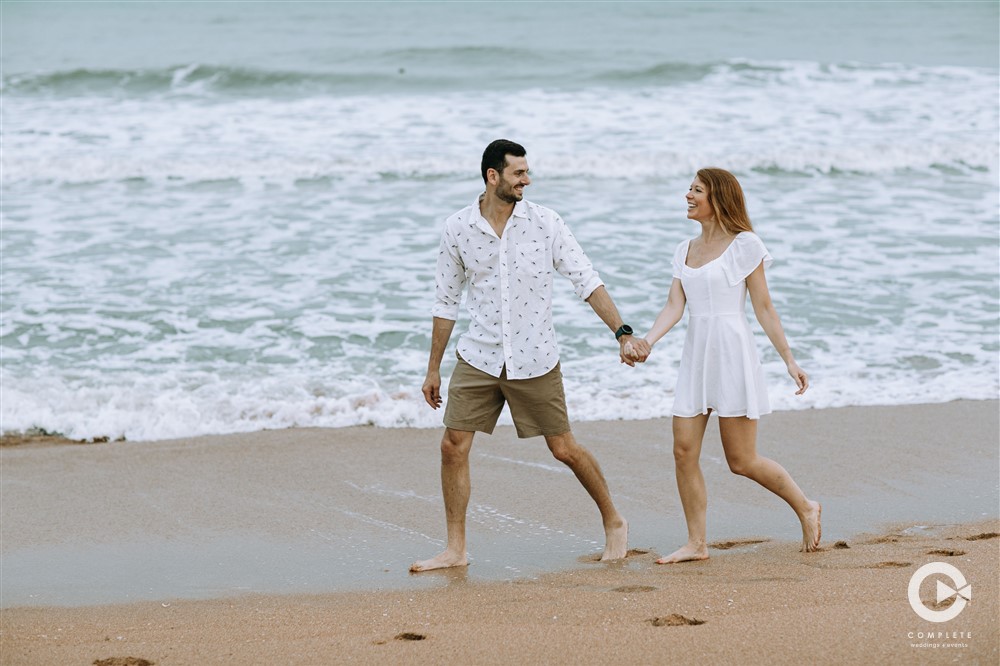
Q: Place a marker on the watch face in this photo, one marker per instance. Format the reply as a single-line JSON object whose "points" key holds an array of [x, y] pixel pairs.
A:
{"points": [[626, 329]]}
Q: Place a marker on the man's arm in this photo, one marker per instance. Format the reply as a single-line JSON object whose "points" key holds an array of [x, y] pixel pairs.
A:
{"points": [[449, 284], [600, 301], [439, 342], [570, 260]]}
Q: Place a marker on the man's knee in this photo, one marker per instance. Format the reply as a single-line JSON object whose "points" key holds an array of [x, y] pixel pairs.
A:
{"points": [[564, 447], [455, 446]]}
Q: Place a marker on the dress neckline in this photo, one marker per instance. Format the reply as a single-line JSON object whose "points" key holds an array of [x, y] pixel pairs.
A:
{"points": [[707, 263]]}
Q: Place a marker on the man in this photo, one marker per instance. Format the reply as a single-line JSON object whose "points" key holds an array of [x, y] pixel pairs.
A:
{"points": [[506, 248]]}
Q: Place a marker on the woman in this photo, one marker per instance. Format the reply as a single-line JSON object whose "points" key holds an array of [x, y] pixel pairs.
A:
{"points": [[719, 369]]}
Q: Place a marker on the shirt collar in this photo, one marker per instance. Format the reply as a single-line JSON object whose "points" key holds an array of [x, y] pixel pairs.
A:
{"points": [[520, 209]]}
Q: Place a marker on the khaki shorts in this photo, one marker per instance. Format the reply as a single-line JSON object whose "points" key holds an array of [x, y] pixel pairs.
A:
{"points": [[476, 398]]}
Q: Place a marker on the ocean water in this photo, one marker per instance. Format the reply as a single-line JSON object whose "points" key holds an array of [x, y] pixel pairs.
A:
{"points": [[223, 217]]}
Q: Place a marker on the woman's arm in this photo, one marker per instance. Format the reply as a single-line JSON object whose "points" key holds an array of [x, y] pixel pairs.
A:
{"points": [[771, 323], [670, 314]]}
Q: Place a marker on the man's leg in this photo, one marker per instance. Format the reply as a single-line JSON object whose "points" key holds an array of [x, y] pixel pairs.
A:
{"points": [[456, 488], [568, 451]]}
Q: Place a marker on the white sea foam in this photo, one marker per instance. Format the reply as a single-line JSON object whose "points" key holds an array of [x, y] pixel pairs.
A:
{"points": [[141, 407], [184, 264], [789, 116]]}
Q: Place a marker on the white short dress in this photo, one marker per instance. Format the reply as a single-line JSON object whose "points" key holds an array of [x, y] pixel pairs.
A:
{"points": [[720, 369]]}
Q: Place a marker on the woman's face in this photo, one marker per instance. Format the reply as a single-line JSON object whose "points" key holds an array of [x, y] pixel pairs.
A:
{"points": [[697, 202]]}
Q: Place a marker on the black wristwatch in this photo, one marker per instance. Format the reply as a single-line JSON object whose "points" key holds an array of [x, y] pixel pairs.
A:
{"points": [[624, 330]]}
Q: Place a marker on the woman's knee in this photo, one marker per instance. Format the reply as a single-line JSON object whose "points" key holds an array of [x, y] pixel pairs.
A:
{"points": [[739, 441], [688, 434], [686, 452], [740, 465]]}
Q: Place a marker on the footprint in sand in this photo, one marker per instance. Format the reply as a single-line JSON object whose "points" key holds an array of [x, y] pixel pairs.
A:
{"points": [[726, 545], [674, 620], [634, 588], [889, 538], [984, 535], [840, 545], [946, 553], [940, 605], [888, 565], [123, 661], [596, 557], [409, 636], [774, 579]]}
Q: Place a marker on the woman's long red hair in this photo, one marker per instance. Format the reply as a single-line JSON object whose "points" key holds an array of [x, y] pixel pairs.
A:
{"points": [[726, 198]]}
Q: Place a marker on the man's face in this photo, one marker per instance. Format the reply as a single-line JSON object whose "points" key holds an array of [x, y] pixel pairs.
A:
{"points": [[513, 180]]}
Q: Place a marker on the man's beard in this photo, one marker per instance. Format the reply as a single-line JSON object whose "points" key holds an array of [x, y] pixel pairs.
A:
{"points": [[507, 194]]}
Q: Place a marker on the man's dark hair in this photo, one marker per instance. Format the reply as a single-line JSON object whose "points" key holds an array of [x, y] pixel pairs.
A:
{"points": [[495, 155]]}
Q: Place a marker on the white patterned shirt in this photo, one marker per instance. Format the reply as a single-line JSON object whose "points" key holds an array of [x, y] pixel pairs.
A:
{"points": [[510, 286]]}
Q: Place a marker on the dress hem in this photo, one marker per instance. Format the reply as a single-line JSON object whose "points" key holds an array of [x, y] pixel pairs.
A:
{"points": [[724, 416]]}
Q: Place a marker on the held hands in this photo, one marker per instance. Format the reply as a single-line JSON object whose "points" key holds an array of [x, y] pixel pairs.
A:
{"points": [[800, 377], [634, 350]]}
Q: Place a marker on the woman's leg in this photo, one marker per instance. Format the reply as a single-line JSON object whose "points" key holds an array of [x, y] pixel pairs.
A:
{"points": [[739, 440], [688, 435]]}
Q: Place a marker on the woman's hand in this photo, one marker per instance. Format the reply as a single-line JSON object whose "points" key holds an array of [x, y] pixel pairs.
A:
{"points": [[626, 353], [635, 349], [800, 377]]}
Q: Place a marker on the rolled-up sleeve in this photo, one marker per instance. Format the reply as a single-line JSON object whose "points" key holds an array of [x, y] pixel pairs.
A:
{"points": [[450, 278], [570, 260]]}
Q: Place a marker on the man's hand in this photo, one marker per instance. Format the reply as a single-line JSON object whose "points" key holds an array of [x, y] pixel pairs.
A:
{"points": [[633, 350], [432, 388]]}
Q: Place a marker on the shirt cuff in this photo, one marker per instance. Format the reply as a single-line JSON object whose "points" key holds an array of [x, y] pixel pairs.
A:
{"points": [[585, 289], [442, 311]]}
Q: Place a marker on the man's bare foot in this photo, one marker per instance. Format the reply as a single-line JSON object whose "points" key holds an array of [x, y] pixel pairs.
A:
{"points": [[689, 552], [616, 541], [812, 528], [442, 561]]}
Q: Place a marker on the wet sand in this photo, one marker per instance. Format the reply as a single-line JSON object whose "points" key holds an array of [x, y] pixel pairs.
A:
{"points": [[764, 603], [292, 546]]}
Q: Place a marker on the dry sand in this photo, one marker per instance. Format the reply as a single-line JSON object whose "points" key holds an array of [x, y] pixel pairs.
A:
{"points": [[901, 487]]}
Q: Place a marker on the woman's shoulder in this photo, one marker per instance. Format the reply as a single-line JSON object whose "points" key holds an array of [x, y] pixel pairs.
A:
{"points": [[746, 252], [680, 256], [682, 246], [748, 242], [748, 237]]}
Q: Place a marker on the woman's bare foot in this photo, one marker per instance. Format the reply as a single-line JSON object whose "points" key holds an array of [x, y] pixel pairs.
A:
{"points": [[689, 552], [615, 541], [442, 561], [812, 528]]}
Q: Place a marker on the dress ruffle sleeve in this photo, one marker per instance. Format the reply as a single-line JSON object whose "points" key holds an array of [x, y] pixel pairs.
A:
{"points": [[680, 254], [743, 258]]}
